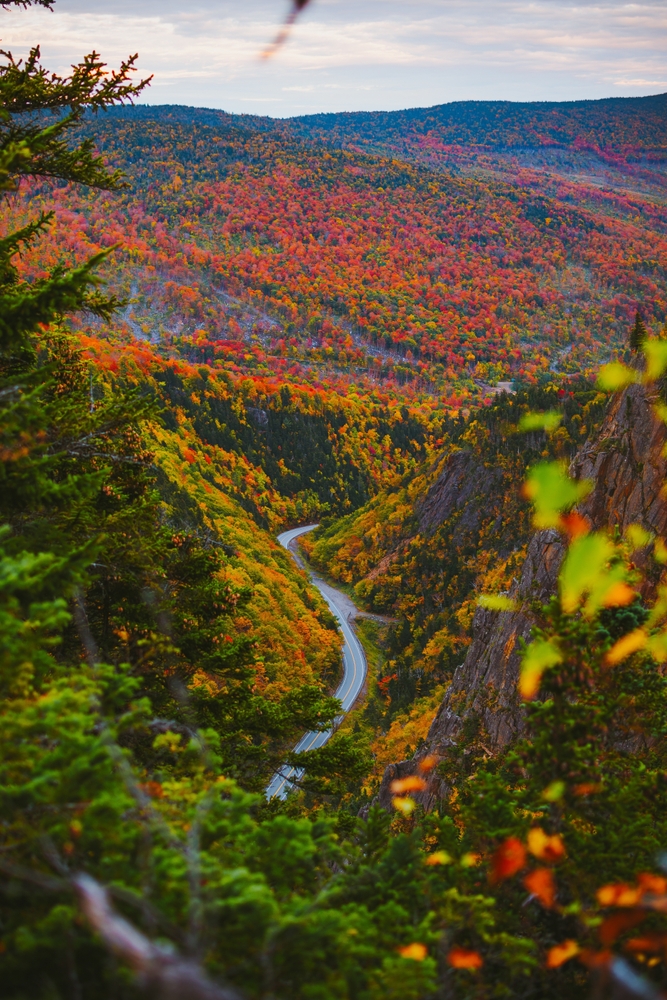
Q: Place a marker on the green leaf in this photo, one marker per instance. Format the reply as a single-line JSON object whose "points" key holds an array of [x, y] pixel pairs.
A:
{"points": [[552, 491], [554, 792], [587, 570], [547, 421], [616, 376]]}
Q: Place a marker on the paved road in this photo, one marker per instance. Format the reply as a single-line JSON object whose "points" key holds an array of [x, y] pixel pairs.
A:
{"points": [[354, 664]]}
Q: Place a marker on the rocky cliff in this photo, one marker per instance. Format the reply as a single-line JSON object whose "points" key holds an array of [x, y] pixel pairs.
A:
{"points": [[628, 469]]}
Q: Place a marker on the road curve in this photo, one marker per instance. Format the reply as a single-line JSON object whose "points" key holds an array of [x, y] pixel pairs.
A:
{"points": [[354, 665]]}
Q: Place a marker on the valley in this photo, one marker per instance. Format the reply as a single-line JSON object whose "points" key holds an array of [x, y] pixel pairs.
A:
{"points": [[427, 350]]}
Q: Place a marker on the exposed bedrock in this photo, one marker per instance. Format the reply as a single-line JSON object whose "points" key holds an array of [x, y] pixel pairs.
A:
{"points": [[628, 470]]}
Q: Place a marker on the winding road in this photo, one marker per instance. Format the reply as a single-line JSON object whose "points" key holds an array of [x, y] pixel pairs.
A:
{"points": [[354, 664]]}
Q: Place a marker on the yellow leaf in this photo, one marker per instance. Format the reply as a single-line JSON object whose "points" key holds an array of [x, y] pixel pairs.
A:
{"points": [[438, 858], [539, 656], [404, 804], [616, 376], [660, 551], [657, 646], [470, 860], [546, 847], [655, 352], [496, 602], [626, 645], [618, 894], [415, 951], [637, 536]]}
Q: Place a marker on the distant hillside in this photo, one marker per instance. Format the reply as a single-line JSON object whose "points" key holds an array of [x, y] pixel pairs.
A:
{"points": [[613, 124]]}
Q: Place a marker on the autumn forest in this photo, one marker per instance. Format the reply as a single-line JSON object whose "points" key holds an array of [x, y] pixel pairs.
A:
{"points": [[440, 335]]}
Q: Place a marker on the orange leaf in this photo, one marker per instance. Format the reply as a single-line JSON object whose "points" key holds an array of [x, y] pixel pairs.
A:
{"points": [[626, 645], [618, 922], [544, 846], [618, 894], [561, 953], [510, 858], [417, 952], [438, 858], [595, 959], [650, 942], [617, 595], [427, 764], [587, 788], [464, 958], [542, 885], [409, 784], [655, 884], [574, 525]]}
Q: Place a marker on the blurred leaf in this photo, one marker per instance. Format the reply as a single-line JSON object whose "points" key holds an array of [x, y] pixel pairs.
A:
{"points": [[638, 537], [539, 656], [544, 846], [548, 421], [551, 491], [660, 551], [657, 646], [404, 804], [586, 570], [618, 894], [541, 884], [496, 602], [554, 792], [410, 784], [561, 953], [655, 352], [464, 958], [616, 376], [509, 858], [415, 951], [438, 858], [574, 525], [626, 645], [427, 764]]}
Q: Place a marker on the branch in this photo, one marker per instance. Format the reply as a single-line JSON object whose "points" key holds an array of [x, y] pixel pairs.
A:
{"points": [[168, 975]]}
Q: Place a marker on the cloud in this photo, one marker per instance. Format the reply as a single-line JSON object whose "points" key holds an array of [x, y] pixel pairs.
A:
{"points": [[361, 54]]}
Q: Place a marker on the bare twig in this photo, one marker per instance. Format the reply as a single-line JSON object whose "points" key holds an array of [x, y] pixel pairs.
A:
{"points": [[168, 975], [283, 34]]}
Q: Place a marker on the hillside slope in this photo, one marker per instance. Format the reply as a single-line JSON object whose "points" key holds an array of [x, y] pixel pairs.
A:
{"points": [[265, 250], [627, 465]]}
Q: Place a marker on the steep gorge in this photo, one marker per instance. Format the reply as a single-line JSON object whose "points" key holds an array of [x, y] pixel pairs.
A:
{"points": [[627, 466]]}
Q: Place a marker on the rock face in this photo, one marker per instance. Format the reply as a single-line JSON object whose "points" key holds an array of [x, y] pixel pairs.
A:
{"points": [[463, 479], [628, 469]]}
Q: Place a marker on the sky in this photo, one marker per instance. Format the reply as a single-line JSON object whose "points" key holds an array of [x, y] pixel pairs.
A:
{"points": [[355, 55]]}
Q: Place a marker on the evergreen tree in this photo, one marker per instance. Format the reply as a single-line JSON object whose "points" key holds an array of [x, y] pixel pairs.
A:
{"points": [[638, 334]]}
